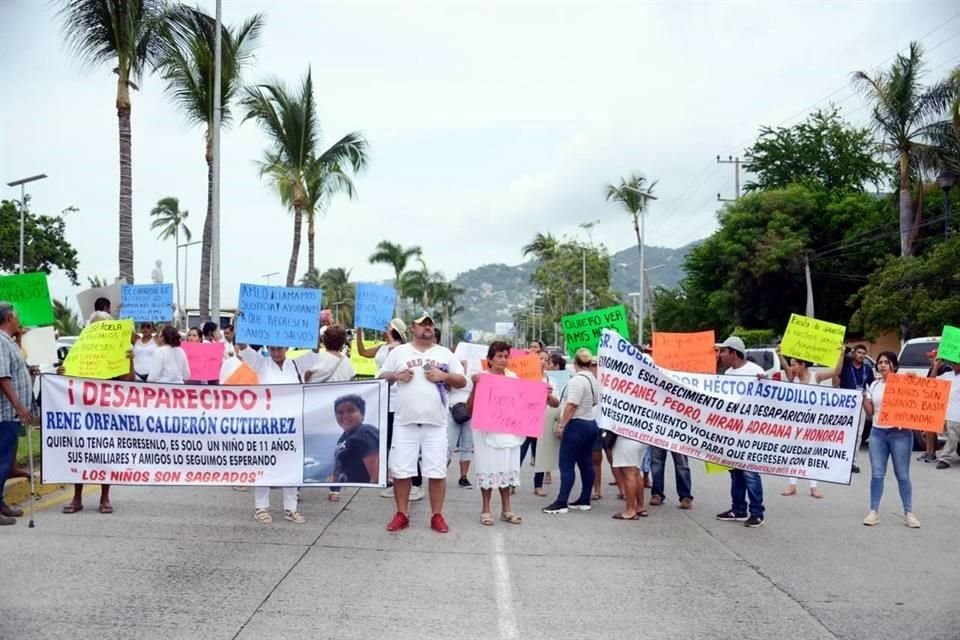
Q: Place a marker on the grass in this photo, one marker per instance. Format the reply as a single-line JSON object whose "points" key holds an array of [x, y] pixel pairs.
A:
{"points": [[23, 458]]}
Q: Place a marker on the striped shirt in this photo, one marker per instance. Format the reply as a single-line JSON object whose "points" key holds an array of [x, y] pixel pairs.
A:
{"points": [[13, 366]]}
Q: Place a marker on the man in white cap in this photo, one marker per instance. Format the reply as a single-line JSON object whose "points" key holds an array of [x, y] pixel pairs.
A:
{"points": [[743, 484], [421, 370]]}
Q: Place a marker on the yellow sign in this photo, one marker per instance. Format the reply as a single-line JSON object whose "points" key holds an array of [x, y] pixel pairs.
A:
{"points": [[363, 366], [101, 351], [713, 467], [813, 340], [293, 354]]}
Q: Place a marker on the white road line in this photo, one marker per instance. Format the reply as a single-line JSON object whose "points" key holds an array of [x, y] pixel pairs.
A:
{"points": [[503, 591]]}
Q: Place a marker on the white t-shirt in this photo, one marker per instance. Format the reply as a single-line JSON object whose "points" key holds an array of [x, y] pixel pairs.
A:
{"points": [[269, 372], [746, 369], [379, 359], [583, 391], [329, 368], [876, 395], [953, 404], [811, 378], [169, 365], [421, 401], [143, 356]]}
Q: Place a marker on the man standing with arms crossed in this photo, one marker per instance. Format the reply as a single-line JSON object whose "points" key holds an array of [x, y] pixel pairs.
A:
{"points": [[16, 401], [421, 371], [857, 374]]}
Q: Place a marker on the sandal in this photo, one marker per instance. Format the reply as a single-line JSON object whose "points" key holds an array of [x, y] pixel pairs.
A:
{"points": [[511, 517], [262, 516], [486, 519], [642, 513], [105, 507], [789, 491], [596, 496], [294, 516], [334, 496], [73, 507], [620, 516], [815, 493], [539, 492]]}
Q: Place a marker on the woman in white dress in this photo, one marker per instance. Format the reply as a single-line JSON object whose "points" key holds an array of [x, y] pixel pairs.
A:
{"points": [[799, 371], [496, 456], [169, 362], [548, 445]]}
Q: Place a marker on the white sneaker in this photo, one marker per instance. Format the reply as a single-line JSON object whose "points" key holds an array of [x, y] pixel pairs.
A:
{"points": [[911, 520], [416, 493], [387, 493], [872, 518]]}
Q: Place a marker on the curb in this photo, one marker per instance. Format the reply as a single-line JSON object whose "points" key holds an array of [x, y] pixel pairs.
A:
{"points": [[17, 491]]}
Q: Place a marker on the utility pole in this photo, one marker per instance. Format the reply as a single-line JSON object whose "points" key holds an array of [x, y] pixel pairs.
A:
{"points": [[806, 271], [215, 212], [736, 173]]}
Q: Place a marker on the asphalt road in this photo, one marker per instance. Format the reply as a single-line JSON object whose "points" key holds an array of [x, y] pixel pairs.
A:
{"points": [[192, 563]]}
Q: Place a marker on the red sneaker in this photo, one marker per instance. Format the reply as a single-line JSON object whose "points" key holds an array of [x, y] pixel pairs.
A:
{"points": [[438, 524], [400, 521]]}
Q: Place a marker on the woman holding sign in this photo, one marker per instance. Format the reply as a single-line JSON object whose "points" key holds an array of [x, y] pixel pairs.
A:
{"points": [[496, 455], [169, 362], [798, 371], [887, 442]]}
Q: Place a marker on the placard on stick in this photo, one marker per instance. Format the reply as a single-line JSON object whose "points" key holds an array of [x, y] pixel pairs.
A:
{"points": [[146, 302], [949, 350], [40, 346], [914, 402], [279, 316], [373, 306], [509, 405], [101, 351], [30, 296], [689, 352], [204, 359], [812, 340], [526, 366], [583, 330]]}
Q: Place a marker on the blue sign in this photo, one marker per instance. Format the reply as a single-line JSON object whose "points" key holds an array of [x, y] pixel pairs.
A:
{"points": [[559, 380], [373, 306], [146, 302], [279, 316]]}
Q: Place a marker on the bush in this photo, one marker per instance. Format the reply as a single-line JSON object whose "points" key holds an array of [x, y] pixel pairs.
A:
{"points": [[756, 337]]}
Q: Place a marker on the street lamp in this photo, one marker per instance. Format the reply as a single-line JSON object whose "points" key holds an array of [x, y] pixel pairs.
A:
{"points": [[945, 181], [270, 275], [336, 310], [23, 205], [186, 271], [586, 226], [644, 196], [634, 296]]}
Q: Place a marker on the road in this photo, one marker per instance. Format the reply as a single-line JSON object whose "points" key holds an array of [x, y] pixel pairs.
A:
{"points": [[192, 563]]}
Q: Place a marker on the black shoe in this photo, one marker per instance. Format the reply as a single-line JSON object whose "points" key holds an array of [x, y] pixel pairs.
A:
{"points": [[582, 506], [16, 512], [464, 483], [855, 469], [556, 507], [5, 520], [940, 465], [730, 516], [753, 522]]}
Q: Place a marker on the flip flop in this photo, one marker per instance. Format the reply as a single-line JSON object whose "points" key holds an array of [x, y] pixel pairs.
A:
{"points": [[72, 508], [106, 508], [642, 514], [620, 516], [486, 519]]}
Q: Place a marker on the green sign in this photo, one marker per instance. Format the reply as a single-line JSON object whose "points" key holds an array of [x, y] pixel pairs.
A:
{"points": [[30, 296], [583, 330], [950, 345]]}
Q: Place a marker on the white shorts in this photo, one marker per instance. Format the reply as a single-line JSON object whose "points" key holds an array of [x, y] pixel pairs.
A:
{"points": [[627, 453], [412, 441]]}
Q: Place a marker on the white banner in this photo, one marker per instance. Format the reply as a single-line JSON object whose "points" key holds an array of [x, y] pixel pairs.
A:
{"points": [[104, 431], [767, 426]]}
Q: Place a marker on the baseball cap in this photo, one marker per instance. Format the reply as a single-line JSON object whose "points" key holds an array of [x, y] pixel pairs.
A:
{"points": [[932, 354], [735, 344], [399, 325], [422, 317]]}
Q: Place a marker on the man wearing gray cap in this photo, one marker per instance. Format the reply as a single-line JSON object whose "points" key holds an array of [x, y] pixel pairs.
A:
{"points": [[743, 484]]}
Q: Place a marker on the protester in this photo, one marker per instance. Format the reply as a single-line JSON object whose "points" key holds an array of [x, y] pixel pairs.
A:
{"points": [[194, 335], [937, 369], [497, 454], [102, 304], [743, 484], [855, 373], [229, 334], [535, 347], [798, 371], [546, 462], [577, 430], [144, 348], [460, 431], [530, 443], [603, 446], [211, 332], [887, 441], [949, 450], [16, 402], [169, 362], [358, 449], [421, 371], [627, 459]]}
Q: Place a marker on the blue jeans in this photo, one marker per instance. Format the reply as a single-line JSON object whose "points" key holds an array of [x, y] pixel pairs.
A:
{"points": [[896, 444], [576, 449], [681, 472], [745, 484], [529, 443], [9, 433]]}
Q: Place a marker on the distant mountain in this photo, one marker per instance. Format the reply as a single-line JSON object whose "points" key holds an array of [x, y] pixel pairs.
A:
{"points": [[494, 292]]}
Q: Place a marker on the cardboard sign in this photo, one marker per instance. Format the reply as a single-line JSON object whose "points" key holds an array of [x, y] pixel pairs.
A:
{"points": [[949, 350], [912, 402], [716, 468], [373, 306], [509, 405], [559, 380], [30, 296], [526, 366], [583, 330], [363, 366], [690, 352], [40, 346], [146, 302], [87, 298], [243, 374], [813, 340], [474, 355], [101, 351], [204, 359], [279, 316]]}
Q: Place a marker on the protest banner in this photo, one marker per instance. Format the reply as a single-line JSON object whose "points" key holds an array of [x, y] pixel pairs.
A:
{"points": [[509, 405], [767, 426], [146, 302], [29, 295], [693, 352], [88, 297], [373, 306], [583, 330], [157, 434], [914, 402], [473, 355], [526, 366], [813, 340], [279, 316], [204, 359], [40, 346], [949, 350], [102, 350], [363, 366]]}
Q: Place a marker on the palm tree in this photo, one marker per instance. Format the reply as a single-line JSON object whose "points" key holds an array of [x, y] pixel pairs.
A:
{"points": [[397, 256], [542, 247], [65, 321], [290, 120], [633, 195], [420, 285], [444, 295], [339, 291], [170, 221], [902, 109], [187, 65], [122, 33]]}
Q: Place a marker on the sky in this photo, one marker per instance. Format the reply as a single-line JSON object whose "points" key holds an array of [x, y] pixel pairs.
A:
{"points": [[487, 122]]}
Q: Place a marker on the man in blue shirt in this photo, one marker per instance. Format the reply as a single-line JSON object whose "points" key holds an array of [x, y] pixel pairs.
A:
{"points": [[16, 401], [855, 373]]}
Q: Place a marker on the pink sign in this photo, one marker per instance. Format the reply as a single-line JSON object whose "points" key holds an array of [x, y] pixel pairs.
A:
{"points": [[518, 353], [509, 405], [204, 359]]}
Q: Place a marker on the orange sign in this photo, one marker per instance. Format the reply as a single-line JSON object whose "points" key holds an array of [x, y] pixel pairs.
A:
{"points": [[243, 375], [912, 402], [526, 366], [689, 352]]}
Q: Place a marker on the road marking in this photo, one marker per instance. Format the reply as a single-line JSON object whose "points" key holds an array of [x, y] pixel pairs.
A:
{"points": [[503, 591]]}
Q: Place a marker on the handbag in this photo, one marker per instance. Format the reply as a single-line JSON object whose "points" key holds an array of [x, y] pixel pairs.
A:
{"points": [[459, 413]]}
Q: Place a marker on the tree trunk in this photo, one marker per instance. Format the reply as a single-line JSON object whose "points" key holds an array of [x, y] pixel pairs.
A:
{"points": [[295, 252], [906, 207], [311, 240], [125, 247], [206, 247]]}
